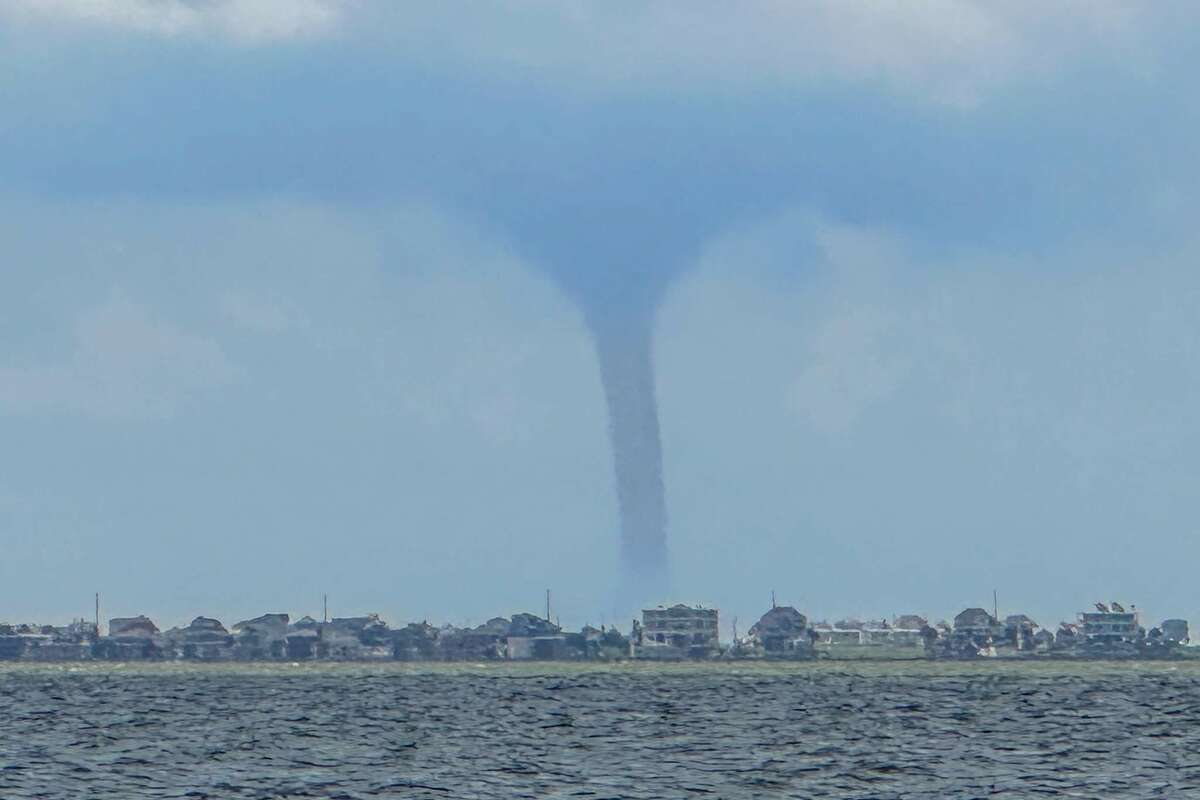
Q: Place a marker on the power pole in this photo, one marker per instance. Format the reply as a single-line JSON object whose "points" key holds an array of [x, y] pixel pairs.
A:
{"points": [[326, 613]]}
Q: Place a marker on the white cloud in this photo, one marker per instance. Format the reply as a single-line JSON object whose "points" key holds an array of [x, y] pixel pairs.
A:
{"points": [[838, 394], [472, 332], [126, 364], [249, 21], [1060, 350], [846, 369], [818, 293], [951, 51], [431, 387], [423, 317]]}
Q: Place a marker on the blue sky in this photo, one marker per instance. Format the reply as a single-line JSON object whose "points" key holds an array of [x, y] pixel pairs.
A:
{"points": [[293, 299]]}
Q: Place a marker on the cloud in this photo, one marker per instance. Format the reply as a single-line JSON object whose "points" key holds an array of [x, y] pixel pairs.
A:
{"points": [[844, 371], [847, 326], [126, 365], [260, 314], [950, 51], [835, 393], [470, 329], [820, 294], [246, 21], [425, 318], [433, 400]]}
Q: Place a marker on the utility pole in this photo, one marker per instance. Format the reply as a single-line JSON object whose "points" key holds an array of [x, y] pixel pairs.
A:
{"points": [[547, 605], [995, 606], [97, 615], [326, 613]]}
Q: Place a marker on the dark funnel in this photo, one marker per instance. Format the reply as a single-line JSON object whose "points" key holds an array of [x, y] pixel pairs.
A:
{"points": [[627, 371]]}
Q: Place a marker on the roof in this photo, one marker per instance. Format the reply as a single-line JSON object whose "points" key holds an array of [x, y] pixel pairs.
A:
{"points": [[207, 623], [973, 617], [138, 625], [780, 620], [265, 621], [356, 625]]}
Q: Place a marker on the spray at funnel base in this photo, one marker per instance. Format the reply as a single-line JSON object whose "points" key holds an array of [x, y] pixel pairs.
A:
{"points": [[627, 371]]}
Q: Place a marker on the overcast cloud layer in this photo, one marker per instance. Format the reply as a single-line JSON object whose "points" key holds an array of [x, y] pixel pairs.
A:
{"points": [[951, 51], [293, 298]]}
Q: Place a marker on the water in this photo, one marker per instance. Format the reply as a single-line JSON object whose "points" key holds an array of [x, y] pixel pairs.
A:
{"points": [[627, 731]]}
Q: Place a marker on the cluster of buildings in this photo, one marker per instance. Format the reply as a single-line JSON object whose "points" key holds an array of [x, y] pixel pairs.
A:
{"points": [[1110, 631], [275, 637], [665, 633]]}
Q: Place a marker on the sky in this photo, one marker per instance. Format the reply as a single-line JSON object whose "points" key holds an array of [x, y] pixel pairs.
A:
{"points": [[298, 297]]}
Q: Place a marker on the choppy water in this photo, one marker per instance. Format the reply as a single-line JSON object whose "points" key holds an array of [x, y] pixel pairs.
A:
{"points": [[817, 730]]}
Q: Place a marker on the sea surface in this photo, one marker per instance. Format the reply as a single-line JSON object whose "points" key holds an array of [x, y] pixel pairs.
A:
{"points": [[1097, 730]]}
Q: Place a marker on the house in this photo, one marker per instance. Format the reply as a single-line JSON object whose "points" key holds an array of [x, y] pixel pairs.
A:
{"points": [[854, 638], [533, 637], [131, 639], [12, 644], [1019, 631], [1067, 636], [910, 622], [896, 637], [205, 639], [840, 636], [604, 643], [540, 648], [51, 648], [300, 640], [262, 637], [354, 638], [415, 642], [1175, 630], [485, 642], [1109, 625], [531, 625], [679, 631], [975, 632], [371, 630], [782, 631], [129, 627], [300, 644], [974, 622]]}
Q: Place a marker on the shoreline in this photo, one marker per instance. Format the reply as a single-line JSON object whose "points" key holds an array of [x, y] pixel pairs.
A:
{"points": [[533, 669]]}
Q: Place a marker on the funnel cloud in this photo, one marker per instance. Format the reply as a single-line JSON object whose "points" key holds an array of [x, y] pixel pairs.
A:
{"points": [[627, 372]]}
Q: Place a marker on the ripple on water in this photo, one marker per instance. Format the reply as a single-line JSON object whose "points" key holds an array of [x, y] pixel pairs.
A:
{"points": [[629, 731]]}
